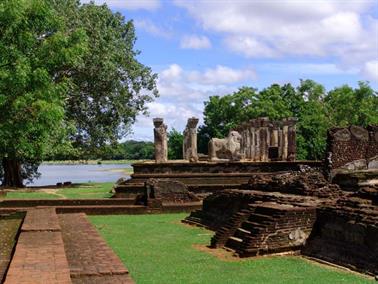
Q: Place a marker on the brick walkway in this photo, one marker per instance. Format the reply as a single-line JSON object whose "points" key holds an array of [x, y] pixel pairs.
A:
{"points": [[64, 249], [39, 255], [89, 257], [39, 258], [41, 219]]}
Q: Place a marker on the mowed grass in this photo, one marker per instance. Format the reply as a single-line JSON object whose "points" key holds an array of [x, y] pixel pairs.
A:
{"points": [[158, 249], [76, 191]]}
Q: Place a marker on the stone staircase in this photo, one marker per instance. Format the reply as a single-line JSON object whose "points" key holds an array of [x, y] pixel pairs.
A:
{"points": [[266, 228]]}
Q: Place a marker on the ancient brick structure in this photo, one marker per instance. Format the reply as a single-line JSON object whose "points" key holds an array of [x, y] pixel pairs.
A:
{"points": [[265, 140], [190, 140], [352, 148], [160, 141], [297, 211]]}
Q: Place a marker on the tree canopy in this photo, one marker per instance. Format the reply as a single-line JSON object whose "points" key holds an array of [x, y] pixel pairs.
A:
{"points": [[315, 109], [68, 76]]}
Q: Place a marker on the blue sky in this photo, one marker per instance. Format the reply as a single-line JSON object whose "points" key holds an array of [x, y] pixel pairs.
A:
{"points": [[201, 48]]}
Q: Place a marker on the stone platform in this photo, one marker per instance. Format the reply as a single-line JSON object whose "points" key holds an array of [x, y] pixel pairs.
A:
{"points": [[203, 177]]}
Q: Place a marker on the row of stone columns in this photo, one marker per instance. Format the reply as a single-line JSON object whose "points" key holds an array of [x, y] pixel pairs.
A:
{"points": [[265, 140], [261, 140], [189, 143]]}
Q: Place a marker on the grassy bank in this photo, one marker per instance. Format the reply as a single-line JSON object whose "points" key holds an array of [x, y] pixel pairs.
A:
{"points": [[76, 191], [91, 162], [159, 249]]}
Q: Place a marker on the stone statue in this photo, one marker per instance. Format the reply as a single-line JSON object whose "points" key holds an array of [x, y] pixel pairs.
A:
{"points": [[160, 140], [190, 140], [227, 148]]}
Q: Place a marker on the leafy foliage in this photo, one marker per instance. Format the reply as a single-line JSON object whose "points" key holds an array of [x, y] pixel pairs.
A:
{"points": [[107, 89], [35, 47], [309, 102], [175, 142], [68, 77]]}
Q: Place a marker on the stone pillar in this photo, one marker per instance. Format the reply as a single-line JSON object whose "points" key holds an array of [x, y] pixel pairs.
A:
{"points": [[274, 135], [285, 140], [280, 142], [160, 141], [257, 140], [292, 144], [252, 134], [190, 140], [264, 139], [247, 141]]}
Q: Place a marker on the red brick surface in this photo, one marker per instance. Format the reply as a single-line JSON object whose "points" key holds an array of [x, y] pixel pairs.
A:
{"points": [[39, 258], [90, 258], [41, 219]]}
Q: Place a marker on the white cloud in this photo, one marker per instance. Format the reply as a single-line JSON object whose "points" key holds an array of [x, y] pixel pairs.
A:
{"points": [[151, 28], [182, 93], [307, 69], [195, 42], [128, 4], [343, 30], [221, 75], [370, 70]]}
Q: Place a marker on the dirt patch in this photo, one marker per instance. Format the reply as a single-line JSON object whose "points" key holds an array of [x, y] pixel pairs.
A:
{"points": [[219, 253]]}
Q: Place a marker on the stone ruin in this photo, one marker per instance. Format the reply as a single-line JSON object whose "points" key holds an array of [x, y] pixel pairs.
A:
{"points": [[259, 200], [301, 210], [160, 140], [226, 149], [259, 140], [189, 147], [265, 140], [352, 148]]}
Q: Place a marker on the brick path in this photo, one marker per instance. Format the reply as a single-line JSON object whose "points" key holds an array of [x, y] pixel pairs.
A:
{"points": [[64, 249], [39, 258], [89, 257], [41, 219]]}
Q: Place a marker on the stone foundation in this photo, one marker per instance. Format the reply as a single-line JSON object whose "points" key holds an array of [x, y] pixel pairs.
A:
{"points": [[297, 212]]}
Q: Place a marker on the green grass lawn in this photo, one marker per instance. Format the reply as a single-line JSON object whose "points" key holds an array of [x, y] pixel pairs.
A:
{"points": [[85, 190], [158, 249]]}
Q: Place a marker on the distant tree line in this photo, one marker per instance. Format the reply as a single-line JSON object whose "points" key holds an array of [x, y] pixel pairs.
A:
{"points": [[128, 150], [316, 110]]}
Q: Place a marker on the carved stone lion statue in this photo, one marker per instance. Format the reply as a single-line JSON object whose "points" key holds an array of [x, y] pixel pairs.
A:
{"points": [[227, 148]]}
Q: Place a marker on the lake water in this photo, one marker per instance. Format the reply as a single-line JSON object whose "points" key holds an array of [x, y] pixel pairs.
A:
{"points": [[51, 174]]}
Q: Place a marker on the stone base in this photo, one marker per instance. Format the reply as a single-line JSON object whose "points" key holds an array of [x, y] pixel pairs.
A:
{"points": [[204, 178]]}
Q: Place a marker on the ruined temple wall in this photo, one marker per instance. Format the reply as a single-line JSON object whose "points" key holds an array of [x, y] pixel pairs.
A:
{"points": [[351, 147], [265, 140], [345, 239]]}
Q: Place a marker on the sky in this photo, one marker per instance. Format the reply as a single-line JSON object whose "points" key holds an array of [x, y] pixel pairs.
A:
{"points": [[201, 48]]}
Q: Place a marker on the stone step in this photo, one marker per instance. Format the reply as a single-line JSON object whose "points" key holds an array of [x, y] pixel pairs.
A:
{"points": [[260, 218], [234, 243], [242, 233]]}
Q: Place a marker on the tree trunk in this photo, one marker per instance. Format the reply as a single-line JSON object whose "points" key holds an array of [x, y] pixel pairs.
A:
{"points": [[12, 173]]}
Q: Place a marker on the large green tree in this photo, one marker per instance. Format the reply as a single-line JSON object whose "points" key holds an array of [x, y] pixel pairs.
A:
{"points": [[68, 77], [111, 86], [36, 49]]}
